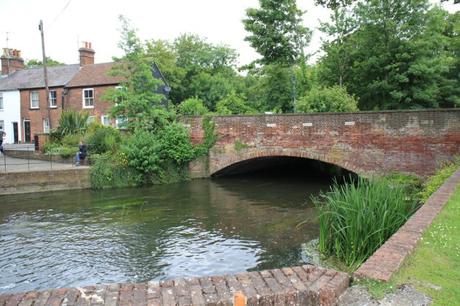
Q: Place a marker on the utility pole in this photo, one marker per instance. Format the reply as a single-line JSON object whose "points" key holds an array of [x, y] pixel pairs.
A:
{"points": [[45, 73]]}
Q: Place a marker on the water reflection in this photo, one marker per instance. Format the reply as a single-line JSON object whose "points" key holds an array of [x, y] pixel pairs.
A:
{"points": [[196, 228]]}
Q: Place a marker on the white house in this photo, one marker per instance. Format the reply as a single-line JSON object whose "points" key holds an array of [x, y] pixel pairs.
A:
{"points": [[10, 102], [10, 115]]}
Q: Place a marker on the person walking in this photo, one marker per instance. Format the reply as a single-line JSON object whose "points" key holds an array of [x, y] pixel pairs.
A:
{"points": [[81, 154]]}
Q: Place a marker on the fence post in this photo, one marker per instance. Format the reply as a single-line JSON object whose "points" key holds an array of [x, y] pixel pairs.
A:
{"points": [[4, 161], [28, 159]]}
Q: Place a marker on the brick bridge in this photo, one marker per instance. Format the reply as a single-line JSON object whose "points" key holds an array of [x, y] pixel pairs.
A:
{"points": [[365, 143]]}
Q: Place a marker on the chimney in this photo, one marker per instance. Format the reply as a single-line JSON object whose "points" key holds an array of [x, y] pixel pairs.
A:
{"points": [[86, 54], [11, 61]]}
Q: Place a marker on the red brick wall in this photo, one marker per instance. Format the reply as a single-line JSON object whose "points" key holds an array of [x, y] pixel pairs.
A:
{"points": [[74, 100], [36, 116], [366, 143]]}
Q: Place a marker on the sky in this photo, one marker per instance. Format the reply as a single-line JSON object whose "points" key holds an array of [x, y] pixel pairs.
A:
{"points": [[68, 23]]}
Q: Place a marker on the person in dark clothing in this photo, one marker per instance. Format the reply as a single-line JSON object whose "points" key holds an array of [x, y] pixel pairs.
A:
{"points": [[1, 142], [81, 154]]}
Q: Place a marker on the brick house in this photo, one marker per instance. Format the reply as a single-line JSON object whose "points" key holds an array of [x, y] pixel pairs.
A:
{"points": [[76, 87]]}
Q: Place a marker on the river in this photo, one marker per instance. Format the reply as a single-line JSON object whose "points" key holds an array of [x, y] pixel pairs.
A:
{"points": [[196, 228]]}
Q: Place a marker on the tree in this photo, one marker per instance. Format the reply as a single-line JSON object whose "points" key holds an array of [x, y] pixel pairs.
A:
{"points": [[34, 63], [276, 31], [334, 4], [233, 105], [392, 57], [327, 99], [192, 107], [138, 100]]}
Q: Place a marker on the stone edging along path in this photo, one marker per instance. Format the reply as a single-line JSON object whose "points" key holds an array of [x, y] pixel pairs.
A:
{"points": [[389, 257], [305, 285]]}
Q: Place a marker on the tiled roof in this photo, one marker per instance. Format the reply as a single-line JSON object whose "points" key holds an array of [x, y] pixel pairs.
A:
{"points": [[94, 75], [33, 77]]}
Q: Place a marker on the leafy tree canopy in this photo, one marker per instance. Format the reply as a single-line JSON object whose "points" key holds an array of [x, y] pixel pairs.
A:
{"points": [[276, 31]]}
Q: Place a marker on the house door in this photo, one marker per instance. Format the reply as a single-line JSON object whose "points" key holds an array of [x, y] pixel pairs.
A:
{"points": [[27, 131], [15, 132]]}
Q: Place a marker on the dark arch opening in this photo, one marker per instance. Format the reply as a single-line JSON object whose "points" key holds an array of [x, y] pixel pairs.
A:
{"points": [[285, 166]]}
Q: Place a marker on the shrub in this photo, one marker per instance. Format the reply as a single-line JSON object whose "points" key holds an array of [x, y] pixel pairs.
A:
{"points": [[71, 140], [327, 99], [101, 139], [111, 170], [143, 152], [192, 107], [357, 218], [434, 182], [232, 104], [70, 123], [411, 185], [66, 152]]}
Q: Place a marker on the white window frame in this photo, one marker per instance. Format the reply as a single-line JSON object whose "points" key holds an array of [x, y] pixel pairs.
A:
{"points": [[32, 100], [103, 117], [119, 120], [46, 125], [2, 107], [90, 99], [51, 99], [91, 119]]}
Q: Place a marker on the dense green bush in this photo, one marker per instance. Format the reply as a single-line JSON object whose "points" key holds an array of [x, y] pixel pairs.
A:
{"points": [[232, 104], [192, 107], [150, 153], [434, 182], [357, 218], [111, 170], [71, 140], [101, 139], [327, 99]]}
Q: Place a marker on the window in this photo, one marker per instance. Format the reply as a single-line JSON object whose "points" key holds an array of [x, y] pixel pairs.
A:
{"points": [[2, 126], [34, 99], [88, 98], [46, 125], [119, 96], [90, 119], [53, 98], [1, 101], [121, 122], [105, 120]]}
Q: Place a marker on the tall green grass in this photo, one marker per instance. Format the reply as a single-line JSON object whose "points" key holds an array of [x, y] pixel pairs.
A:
{"points": [[358, 217]]}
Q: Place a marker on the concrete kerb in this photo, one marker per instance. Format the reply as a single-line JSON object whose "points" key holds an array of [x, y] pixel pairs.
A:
{"points": [[389, 257]]}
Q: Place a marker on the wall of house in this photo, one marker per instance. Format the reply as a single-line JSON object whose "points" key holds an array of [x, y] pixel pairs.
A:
{"points": [[11, 113], [36, 116], [74, 100]]}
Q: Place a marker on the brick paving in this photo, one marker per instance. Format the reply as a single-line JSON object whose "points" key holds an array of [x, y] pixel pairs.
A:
{"points": [[303, 285], [389, 257]]}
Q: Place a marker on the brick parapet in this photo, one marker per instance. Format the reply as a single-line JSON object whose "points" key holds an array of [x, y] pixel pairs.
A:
{"points": [[367, 143], [305, 285], [390, 256]]}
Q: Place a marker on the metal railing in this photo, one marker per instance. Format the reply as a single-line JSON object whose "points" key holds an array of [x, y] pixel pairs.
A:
{"points": [[30, 161]]}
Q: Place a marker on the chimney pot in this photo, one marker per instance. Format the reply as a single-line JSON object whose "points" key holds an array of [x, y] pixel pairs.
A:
{"points": [[11, 61], [86, 54]]}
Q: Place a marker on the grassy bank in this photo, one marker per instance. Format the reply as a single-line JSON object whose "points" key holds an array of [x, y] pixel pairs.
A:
{"points": [[434, 268]]}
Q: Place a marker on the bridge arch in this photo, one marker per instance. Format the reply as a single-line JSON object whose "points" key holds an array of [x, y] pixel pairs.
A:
{"points": [[222, 162]]}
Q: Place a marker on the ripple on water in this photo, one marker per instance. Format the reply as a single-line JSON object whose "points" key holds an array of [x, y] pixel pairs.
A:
{"points": [[84, 237]]}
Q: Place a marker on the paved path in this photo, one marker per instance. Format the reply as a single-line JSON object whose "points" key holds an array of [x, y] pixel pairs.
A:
{"points": [[306, 285], [10, 164]]}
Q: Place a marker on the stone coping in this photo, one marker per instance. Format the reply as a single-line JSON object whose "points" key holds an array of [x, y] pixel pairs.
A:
{"points": [[390, 256], [305, 285]]}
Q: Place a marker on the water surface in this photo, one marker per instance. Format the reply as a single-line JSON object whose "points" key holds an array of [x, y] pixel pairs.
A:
{"points": [[202, 227]]}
